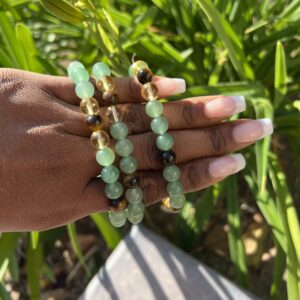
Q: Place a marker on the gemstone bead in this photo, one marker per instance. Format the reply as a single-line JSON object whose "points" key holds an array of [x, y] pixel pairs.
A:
{"points": [[89, 106], [175, 188], [136, 66], [177, 201], [167, 206], [124, 147], [171, 173], [95, 122], [135, 213], [134, 195], [113, 115], [118, 204], [105, 157], [74, 65], [164, 142], [110, 174], [110, 97], [119, 130], [144, 76], [79, 74], [117, 219], [114, 190], [84, 90], [101, 69], [168, 157], [159, 125], [154, 109], [149, 91], [105, 84], [128, 165], [100, 139], [131, 181]]}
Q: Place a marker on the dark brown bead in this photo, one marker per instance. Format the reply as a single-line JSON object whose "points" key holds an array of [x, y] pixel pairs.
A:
{"points": [[131, 181], [144, 76], [118, 204], [110, 97], [95, 122], [168, 157]]}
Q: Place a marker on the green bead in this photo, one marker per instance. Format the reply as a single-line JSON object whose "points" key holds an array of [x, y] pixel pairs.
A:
{"points": [[171, 173], [84, 90], [101, 69], [177, 201], [164, 142], [154, 109], [105, 157], [175, 188], [114, 190], [135, 213], [134, 195], [159, 125], [117, 219], [124, 147], [79, 74], [73, 65], [110, 174], [119, 130], [128, 165]]}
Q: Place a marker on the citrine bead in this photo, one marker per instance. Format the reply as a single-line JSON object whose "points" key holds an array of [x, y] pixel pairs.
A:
{"points": [[95, 122], [167, 207], [100, 139], [113, 114], [114, 190], [175, 188], [144, 76], [106, 83], [105, 157], [135, 213], [124, 147], [117, 219], [154, 109], [171, 173], [100, 70], [164, 142], [168, 157], [84, 89], [131, 181], [119, 130], [149, 91], [159, 125], [136, 66], [110, 174], [177, 201], [110, 97], [128, 165], [134, 195], [118, 204], [74, 65], [89, 106], [79, 74]]}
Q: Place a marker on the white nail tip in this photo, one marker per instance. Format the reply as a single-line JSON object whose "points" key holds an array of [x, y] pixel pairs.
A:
{"points": [[240, 104], [239, 160], [267, 126], [180, 85]]}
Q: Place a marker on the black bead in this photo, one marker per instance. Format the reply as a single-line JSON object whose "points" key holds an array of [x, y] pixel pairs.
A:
{"points": [[168, 157], [131, 181], [110, 97], [93, 120], [144, 76]]}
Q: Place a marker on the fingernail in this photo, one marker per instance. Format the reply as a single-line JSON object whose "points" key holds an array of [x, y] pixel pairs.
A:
{"points": [[225, 106], [251, 131], [170, 86], [227, 165], [180, 86]]}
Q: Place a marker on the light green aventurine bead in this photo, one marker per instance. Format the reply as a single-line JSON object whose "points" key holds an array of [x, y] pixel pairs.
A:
{"points": [[79, 74], [134, 195], [110, 174], [117, 219], [128, 165], [119, 130], [101, 69], [135, 213], [105, 157], [164, 142], [177, 201], [154, 109], [175, 188], [84, 90], [114, 190], [159, 125], [171, 173], [124, 147], [73, 65]]}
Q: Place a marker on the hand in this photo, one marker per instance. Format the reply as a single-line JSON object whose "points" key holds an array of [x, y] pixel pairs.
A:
{"points": [[47, 164]]}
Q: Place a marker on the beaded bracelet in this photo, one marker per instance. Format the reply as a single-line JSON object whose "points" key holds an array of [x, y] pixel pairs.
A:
{"points": [[164, 140], [124, 147]]}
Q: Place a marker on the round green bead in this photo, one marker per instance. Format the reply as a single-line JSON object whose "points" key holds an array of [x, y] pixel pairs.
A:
{"points": [[177, 201], [110, 174], [164, 142], [171, 173], [119, 130], [84, 90], [134, 195], [135, 213], [124, 147], [73, 65], [175, 188], [105, 157], [154, 109], [101, 69], [128, 165], [117, 219], [159, 125], [114, 190], [79, 74]]}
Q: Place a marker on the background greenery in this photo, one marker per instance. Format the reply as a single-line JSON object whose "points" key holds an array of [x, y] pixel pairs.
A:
{"points": [[239, 47]]}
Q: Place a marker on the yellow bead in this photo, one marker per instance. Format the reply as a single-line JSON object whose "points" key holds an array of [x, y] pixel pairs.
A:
{"points": [[149, 91], [136, 66], [105, 84], [113, 115], [89, 106], [167, 207], [100, 139]]}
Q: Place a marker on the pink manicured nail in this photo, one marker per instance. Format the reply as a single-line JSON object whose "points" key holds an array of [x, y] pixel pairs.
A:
{"points": [[225, 106], [251, 131], [170, 86], [227, 165]]}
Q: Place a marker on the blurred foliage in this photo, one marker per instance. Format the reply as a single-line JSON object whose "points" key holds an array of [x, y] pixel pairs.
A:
{"points": [[231, 47]]}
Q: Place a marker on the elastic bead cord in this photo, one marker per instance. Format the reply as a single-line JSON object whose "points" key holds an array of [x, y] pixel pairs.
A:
{"points": [[124, 147], [164, 140]]}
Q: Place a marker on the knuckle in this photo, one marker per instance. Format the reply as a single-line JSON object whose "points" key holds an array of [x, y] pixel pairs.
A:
{"points": [[189, 114], [194, 176], [135, 118], [152, 154], [217, 140], [150, 189], [134, 90]]}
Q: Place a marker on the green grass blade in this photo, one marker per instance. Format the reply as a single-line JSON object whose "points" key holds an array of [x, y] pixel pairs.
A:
{"points": [[34, 235], [4, 295]]}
